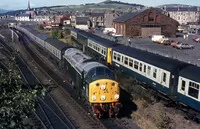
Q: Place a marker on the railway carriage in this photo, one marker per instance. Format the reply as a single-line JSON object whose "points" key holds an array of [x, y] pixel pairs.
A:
{"points": [[95, 81], [158, 72], [188, 87]]}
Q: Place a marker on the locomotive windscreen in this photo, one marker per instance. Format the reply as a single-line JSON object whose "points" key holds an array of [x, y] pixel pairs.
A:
{"points": [[99, 73]]}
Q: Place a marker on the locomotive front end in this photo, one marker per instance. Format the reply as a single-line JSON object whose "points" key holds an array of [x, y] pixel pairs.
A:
{"points": [[104, 96]]}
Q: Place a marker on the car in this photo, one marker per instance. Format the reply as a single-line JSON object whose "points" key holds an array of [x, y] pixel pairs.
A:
{"points": [[174, 44], [184, 46], [196, 39], [167, 42]]}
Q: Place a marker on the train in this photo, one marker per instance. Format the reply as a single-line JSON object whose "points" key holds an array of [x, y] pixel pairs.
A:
{"points": [[91, 79], [176, 80]]}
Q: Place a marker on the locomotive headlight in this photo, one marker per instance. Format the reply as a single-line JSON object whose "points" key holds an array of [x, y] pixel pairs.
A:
{"points": [[116, 96], [103, 97], [113, 84], [103, 87], [94, 97]]}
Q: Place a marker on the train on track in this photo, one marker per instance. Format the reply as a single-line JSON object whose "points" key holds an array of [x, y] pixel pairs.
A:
{"points": [[91, 79], [177, 80]]}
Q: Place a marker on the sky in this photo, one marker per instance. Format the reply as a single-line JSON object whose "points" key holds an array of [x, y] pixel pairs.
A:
{"points": [[22, 4]]}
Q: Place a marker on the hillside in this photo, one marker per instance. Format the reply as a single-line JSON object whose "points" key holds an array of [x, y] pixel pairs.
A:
{"points": [[100, 7], [3, 11]]}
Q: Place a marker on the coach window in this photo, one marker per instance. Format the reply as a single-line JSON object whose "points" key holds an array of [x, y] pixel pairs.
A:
{"points": [[126, 61], [136, 64], [115, 56], [183, 85], [141, 67], [164, 77], [193, 90], [148, 70], [130, 62], [144, 69], [154, 72], [118, 57]]}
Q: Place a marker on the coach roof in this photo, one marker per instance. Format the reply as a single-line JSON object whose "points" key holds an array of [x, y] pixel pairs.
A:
{"points": [[150, 58], [56, 43], [191, 72]]}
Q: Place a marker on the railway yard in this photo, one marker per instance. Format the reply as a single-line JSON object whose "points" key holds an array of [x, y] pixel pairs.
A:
{"points": [[67, 111], [63, 109]]}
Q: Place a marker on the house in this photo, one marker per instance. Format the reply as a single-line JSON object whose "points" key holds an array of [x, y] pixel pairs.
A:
{"points": [[109, 17], [182, 14], [23, 17], [82, 23], [149, 22], [96, 19], [65, 20]]}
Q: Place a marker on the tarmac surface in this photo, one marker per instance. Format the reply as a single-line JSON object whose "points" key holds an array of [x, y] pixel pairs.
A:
{"points": [[191, 56]]}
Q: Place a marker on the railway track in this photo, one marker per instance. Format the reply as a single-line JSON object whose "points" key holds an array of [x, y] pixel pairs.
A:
{"points": [[58, 81], [49, 114], [108, 123]]}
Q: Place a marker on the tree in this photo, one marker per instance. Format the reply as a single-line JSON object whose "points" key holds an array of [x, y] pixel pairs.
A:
{"points": [[41, 27], [56, 34], [16, 102]]}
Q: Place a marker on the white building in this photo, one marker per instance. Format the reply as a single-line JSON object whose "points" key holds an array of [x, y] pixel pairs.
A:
{"points": [[183, 14], [23, 17]]}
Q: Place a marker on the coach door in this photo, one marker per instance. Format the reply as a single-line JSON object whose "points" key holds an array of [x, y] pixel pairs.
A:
{"points": [[109, 56]]}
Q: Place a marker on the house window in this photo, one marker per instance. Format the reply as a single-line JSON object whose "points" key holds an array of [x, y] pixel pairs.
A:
{"points": [[154, 72], [193, 90], [130, 62], [136, 64], [183, 85], [151, 16], [126, 61]]}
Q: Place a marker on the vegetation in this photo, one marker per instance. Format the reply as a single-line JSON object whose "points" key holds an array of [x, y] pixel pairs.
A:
{"points": [[17, 103], [56, 34], [41, 27]]}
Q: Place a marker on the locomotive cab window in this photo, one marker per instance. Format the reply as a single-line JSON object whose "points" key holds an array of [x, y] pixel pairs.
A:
{"points": [[193, 90], [98, 73]]}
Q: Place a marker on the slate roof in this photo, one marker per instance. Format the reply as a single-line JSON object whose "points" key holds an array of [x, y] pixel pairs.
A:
{"points": [[175, 9], [82, 20], [191, 72], [126, 17], [23, 15], [94, 14]]}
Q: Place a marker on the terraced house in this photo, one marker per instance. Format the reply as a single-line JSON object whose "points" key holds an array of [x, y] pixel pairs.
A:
{"points": [[182, 14], [149, 22]]}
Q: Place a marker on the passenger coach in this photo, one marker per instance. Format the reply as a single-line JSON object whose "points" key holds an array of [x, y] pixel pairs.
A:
{"points": [[153, 70]]}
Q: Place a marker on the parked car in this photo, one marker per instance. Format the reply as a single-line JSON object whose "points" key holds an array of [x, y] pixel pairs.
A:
{"points": [[196, 39], [174, 44], [167, 42], [184, 46]]}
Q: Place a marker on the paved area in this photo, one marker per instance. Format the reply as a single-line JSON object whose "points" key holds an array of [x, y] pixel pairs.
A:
{"points": [[186, 55]]}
